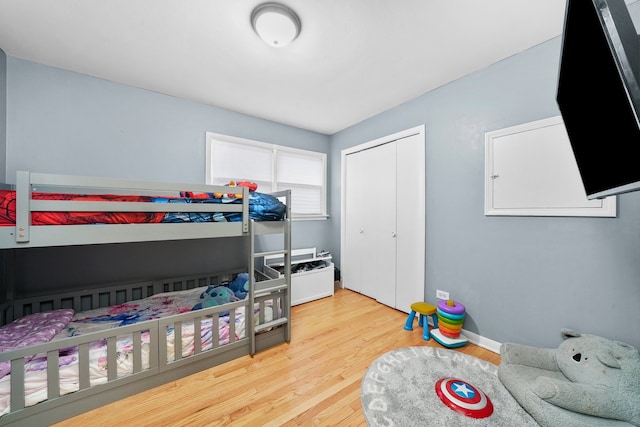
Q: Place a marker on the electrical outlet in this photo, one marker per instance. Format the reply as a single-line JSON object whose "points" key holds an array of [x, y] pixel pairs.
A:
{"points": [[442, 294]]}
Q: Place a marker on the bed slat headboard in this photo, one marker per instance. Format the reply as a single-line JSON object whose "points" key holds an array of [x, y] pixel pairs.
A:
{"points": [[108, 295]]}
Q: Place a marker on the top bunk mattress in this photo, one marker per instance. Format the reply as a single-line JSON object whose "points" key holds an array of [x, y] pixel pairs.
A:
{"points": [[262, 207], [59, 210]]}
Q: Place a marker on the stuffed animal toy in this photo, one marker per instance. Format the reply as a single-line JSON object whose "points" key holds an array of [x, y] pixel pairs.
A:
{"points": [[587, 381], [240, 285], [215, 295], [252, 186]]}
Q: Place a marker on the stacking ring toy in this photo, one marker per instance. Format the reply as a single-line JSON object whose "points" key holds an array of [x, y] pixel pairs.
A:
{"points": [[450, 335], [452, 332], [449, 316], [451, 321], [457, 308], [449, 325]]}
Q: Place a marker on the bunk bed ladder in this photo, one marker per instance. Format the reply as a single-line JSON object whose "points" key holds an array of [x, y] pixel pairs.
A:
{"points": [[259, 291], [250, 326]]}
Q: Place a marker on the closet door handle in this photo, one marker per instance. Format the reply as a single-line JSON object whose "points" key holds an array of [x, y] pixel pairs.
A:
{"points": [[393, 234]]}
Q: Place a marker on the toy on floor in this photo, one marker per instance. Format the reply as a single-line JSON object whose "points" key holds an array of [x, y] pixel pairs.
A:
{"points": [[450, 320], [587, 381], [424, 309], [464, 398]]}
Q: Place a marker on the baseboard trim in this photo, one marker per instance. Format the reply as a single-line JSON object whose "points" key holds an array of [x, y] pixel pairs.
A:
{"points": [[476, 339], [483, 342]]}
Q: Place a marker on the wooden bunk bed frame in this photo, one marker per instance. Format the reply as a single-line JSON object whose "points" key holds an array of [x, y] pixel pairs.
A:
{"points": [[259, 333]]}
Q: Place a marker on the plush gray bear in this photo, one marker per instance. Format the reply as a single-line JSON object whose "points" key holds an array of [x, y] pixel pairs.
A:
{"points": [[587, 380]]}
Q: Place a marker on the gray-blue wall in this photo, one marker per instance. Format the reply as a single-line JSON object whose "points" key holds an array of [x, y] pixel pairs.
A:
{"points": [[3, 112], [64, 122], [69, 123], [520, 278]]}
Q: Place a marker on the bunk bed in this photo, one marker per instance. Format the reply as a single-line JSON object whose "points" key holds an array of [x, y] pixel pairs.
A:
{"points": [[85, 350]]}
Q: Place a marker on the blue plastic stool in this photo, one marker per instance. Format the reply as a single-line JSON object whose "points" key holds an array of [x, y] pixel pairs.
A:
{"points": [[424, 309]]}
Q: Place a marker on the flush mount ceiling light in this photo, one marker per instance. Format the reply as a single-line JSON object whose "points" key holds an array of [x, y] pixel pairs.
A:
{"points": [[276, 24]]}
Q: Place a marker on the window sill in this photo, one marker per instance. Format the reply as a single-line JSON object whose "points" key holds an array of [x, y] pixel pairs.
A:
{"points": [[309, 217]]}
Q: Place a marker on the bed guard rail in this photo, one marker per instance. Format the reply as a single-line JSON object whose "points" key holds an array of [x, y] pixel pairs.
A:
{"points": [[28, 182]]}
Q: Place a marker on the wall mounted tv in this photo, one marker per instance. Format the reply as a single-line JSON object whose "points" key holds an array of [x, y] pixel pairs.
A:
{"points": [[599, 94]]}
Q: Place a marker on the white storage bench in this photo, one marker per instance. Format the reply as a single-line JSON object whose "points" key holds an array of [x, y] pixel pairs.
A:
{"points": [[312, 274]]}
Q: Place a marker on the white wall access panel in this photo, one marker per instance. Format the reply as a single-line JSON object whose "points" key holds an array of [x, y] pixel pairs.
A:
{"points": [[530, 170]]}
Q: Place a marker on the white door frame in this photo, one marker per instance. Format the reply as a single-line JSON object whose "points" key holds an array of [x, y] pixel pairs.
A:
{"points": [[420, 230]]}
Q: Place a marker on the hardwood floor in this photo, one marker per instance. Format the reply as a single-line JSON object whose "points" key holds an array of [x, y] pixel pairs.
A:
{"points": [[313, 380]]}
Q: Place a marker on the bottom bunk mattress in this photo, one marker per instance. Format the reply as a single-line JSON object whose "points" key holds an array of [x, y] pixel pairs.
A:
{"points": [[188, 319]]}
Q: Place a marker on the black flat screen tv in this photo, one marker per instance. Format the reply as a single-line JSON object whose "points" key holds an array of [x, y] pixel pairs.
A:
{"points": [[599, 94]]}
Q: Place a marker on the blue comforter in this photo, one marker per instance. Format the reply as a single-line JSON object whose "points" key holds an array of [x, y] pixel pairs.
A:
{"points": [[262, 207]]}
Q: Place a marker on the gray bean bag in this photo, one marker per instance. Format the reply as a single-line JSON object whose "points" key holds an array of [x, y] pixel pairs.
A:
{"points": [[586, 381]]}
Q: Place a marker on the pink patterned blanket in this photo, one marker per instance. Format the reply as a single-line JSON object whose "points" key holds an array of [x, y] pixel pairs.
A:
{"points": [[37, 328]]}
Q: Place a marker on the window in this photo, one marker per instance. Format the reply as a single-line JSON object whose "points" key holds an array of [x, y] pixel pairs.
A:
{"points": [[273, 168]]}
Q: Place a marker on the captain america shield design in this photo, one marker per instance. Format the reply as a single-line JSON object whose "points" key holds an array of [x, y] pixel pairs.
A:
{"points": [[464, 398]]}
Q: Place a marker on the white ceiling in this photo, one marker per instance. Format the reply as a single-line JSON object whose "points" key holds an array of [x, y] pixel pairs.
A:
{"points": [[352, 60]]}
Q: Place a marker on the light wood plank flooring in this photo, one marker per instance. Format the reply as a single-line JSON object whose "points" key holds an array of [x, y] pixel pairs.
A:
{"points": [[313, 380]]}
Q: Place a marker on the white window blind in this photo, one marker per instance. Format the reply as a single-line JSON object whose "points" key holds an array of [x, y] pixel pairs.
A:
{"points": [[273, 168], [304, 175]]}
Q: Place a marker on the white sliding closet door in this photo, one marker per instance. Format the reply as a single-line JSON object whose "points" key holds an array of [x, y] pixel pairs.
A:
{"points": [[410, 204], [371, 219], [383, 220], [356, 213]]}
